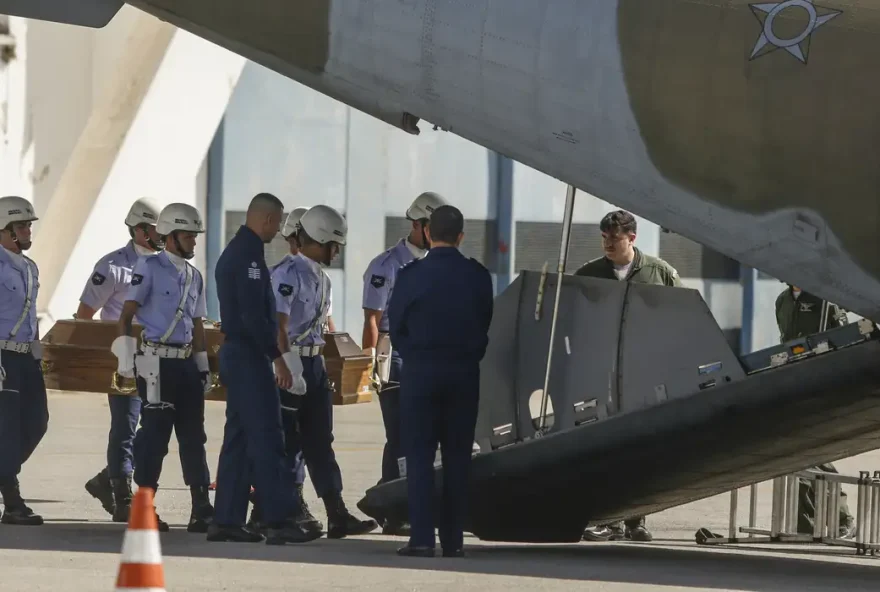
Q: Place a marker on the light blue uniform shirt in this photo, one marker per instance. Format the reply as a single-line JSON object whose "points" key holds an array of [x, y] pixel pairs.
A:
{"points": [[380, 277], [297, 283], [107, 289], [13, 291], [157, 285]]}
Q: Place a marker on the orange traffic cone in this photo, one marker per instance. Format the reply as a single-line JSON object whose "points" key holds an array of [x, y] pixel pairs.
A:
{"points": [[141, 565]]}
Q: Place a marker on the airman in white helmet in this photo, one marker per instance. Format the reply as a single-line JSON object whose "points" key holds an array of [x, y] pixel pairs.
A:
{"points": [[106, 290], [378, 285], [302, 296], [168, 296], [23, 405]]}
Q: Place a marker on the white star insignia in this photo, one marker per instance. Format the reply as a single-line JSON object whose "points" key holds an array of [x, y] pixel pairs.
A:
{"points": [[798, 46]]}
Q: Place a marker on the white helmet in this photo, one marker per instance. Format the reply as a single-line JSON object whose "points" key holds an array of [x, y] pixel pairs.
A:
{"points": [[179, 216], [292, 218], [424, 205], [143, 211], [324, 224], [15, 209]]}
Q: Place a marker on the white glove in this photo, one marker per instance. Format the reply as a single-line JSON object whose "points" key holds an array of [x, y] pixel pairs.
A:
{"points": [[37, 349], [294, 364], [123, 348], [202, 361]]}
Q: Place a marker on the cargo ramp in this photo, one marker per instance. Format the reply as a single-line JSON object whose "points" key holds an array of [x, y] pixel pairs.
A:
{"points": [[649, 408]]}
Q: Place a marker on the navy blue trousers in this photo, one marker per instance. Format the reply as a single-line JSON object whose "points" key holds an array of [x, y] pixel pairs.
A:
{"points": [[125, 410], [438, 407], [315, 424], [181, 385], [253, 448], [389, 401], [24, 412]]}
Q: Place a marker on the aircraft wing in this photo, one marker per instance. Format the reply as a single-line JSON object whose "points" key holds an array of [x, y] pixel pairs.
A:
{"points": [[751, 128]]}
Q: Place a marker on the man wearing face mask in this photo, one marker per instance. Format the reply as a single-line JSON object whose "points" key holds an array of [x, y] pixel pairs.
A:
{"points": [[167, 294], [24, 411], [799, 314], [302, 294], [379, 280], [106, 290], [623, 261]]}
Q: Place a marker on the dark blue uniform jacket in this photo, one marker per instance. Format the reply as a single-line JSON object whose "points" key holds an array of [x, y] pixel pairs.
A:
{"points": [[244, 291], [440, 311]]}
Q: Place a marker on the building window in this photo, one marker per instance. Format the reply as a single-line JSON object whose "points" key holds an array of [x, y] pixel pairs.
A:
{"points": [[479, 238], [693, 260], [538, 242]]}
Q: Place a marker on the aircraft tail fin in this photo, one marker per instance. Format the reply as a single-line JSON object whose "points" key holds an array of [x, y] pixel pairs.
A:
{"points": [[86, 13]]}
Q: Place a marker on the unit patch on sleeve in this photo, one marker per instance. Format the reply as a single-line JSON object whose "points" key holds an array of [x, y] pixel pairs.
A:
{"points": [[285, 289], [98, 279], [377, 280], [136, 279]]}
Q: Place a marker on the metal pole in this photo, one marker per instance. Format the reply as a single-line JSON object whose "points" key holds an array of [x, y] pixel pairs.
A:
{"points": [[560, 271], [823, 319]]}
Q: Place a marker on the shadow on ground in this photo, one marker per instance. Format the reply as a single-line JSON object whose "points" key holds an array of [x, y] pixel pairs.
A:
{"points": [[615, 562]]}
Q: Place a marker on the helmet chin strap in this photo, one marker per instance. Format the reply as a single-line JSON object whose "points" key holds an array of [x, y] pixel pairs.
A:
{"points": [[183, 254], [425, 244]]}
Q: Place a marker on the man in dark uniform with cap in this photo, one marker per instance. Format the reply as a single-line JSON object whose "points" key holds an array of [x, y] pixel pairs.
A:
{"points": [[439, 317], [253, 436]]}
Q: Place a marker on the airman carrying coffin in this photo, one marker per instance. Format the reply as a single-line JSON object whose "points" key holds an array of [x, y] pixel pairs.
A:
{"points": [[77, 357]]}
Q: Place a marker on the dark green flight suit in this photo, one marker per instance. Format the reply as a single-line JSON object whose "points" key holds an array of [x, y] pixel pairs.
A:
{"points": [[799, 318], [645, 269]]}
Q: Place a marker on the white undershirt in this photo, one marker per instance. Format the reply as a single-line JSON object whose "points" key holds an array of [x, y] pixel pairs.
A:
{"points": [[17, 258], [142, 251], [796, 293], [178, 261], [416, 252], [621, 270]]}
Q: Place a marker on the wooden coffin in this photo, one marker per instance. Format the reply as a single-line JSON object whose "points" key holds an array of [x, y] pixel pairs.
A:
{"points": [[348, 368], [77, 357]]}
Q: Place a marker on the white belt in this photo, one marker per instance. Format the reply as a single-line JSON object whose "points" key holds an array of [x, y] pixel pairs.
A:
{"points": [[307, 351], [167, 351], [16, 346]]}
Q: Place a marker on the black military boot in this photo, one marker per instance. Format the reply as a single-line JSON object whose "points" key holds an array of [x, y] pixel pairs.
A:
{"points": [[100, 488], [160, 524], [289, 532], [202, 511], [395, 528], [15, 511], [304, 517], [122, 495], [638, 532], [232, 534], [341, 523], [255, 522]]}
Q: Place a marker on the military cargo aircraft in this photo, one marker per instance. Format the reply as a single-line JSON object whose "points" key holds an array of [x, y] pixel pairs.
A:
{"points": [[750, 127]]}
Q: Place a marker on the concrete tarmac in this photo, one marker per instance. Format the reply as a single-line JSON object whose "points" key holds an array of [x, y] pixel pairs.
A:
{"points": [[78, 547]]}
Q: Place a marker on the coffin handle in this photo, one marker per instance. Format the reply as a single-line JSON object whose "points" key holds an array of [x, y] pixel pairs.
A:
{"points": [[130, 384], [45, 366], [215, 381]]}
